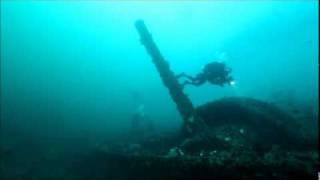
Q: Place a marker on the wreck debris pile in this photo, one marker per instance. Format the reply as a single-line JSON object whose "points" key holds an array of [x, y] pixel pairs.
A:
{"points": [[237, 148], [232, 138]]}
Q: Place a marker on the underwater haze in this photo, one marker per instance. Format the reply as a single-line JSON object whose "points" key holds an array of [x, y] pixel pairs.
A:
{"points": [[74, 72]]}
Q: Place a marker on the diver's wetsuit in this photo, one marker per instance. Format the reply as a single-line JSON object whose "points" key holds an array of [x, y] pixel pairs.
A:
{"points": [[215, 72]]}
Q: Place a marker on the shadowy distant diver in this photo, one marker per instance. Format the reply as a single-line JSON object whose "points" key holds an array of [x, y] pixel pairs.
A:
{"points": [[141, 125], [216, 73]]}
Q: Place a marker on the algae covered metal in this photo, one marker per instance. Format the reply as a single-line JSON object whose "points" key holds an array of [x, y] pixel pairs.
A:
{"points": [[192, 122]]}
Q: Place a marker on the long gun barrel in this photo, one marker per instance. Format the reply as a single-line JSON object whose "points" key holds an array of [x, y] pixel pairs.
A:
{"points": [[182, 101]]}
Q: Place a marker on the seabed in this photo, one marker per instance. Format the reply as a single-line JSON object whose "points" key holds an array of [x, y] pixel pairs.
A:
{"points": [[256, 141]]}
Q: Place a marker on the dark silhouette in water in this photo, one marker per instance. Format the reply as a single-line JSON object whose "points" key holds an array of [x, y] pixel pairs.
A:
{"points": [[141, 124], [215, 72], [137, 98]]}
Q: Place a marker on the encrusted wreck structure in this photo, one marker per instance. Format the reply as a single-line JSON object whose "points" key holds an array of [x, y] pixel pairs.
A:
{"points": [[231, 138], [192, 122]]}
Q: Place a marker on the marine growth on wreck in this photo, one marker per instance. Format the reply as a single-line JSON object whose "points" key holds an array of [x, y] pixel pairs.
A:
{"points": [[92, 90]]}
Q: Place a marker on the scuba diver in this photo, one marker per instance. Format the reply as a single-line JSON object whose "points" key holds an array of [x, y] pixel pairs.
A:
{"points": [[141, 125], [215, 72]]}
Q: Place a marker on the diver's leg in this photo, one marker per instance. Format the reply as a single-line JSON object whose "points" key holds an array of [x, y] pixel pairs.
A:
{"points": [[185, 83], [186, 76], [180, 75], [196, 82]]}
